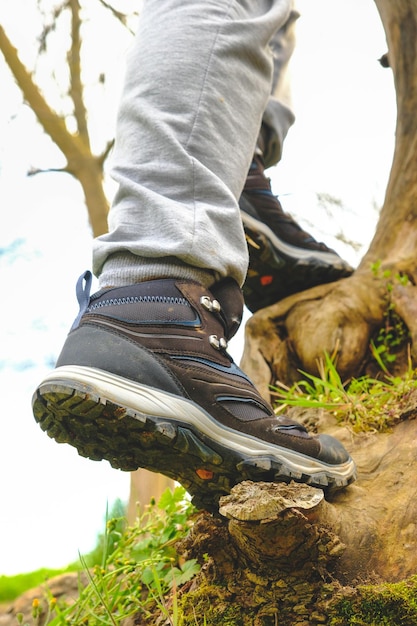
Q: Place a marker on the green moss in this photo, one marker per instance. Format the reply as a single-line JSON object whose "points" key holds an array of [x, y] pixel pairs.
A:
{"points": [[388, 604], [212, 605]]}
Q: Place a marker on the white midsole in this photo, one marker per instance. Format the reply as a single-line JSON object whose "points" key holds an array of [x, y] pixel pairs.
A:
{"points": [[154, 402]]}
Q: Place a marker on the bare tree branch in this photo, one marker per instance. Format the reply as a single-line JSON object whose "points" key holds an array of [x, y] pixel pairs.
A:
{"points": [[50, 24], [103, 156], [81, 163], [122, 17], [69, 144], [74, 63]]}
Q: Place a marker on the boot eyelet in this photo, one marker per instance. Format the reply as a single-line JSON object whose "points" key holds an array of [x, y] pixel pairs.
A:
{"points": [[205, 302], [218, 344], [214, 342], [211, 305], [215, 305]]}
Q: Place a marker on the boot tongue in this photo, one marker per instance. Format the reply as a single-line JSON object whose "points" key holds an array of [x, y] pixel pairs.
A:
{"points": [[230, 296]]}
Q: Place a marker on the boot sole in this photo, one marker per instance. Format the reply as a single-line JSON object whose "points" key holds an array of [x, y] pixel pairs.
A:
{"points": [[107, 417]]}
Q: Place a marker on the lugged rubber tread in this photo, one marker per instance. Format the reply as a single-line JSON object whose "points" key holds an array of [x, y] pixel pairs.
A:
{"points": [[99, 428]]}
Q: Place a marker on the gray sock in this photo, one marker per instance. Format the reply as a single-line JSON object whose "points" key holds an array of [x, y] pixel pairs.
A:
{"points": [[124, 268]]}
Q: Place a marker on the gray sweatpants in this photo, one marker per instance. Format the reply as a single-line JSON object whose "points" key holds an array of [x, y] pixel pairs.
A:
{"points": [[198, 85]]}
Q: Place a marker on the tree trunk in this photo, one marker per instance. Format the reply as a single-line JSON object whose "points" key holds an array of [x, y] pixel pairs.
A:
{"points": [[89, 173], [341, 318]]}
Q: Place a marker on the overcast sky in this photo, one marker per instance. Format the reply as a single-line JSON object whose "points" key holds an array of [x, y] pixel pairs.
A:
{"points": [[52, 501]]}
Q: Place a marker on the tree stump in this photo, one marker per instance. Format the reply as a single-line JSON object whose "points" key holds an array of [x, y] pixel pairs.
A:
{"points": [[275, 528]]}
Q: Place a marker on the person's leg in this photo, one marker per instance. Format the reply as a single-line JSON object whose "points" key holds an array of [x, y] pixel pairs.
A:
{"points": [[144, 378], [283, 258], [279, 116], [185, 137]]}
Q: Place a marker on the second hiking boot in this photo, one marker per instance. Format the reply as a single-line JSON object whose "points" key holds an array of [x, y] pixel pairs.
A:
{"points": [[283, 258], [144, 380]]}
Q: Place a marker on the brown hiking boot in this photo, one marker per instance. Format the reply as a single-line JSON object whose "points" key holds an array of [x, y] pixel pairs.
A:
{"points": [[283, 258], [144, 380]]}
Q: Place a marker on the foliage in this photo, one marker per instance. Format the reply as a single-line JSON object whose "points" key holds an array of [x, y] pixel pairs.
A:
{"points": [[393, 334], [140, 570], [364, 403]]}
